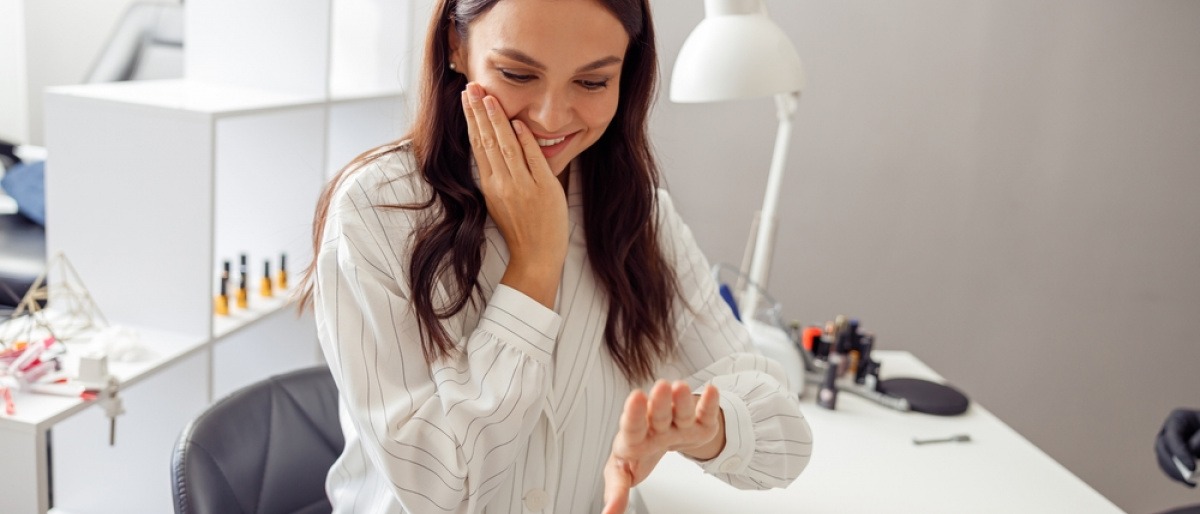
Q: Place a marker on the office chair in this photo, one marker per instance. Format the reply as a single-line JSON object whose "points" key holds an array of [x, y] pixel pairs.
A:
{"points": [[264, 449]]}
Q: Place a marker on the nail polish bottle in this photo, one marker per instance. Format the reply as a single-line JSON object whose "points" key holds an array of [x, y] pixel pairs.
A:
{"points": [[242, 294], [265, 282], [282, 281], [221, 302], [225, 277], [827, 394]]}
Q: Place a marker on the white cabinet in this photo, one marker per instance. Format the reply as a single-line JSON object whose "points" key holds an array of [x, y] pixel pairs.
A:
{"points": [[152, 185]]}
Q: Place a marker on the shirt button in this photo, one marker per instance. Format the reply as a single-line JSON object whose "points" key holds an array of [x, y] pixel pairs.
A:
{"points": [[536, 499], [731, 464]]}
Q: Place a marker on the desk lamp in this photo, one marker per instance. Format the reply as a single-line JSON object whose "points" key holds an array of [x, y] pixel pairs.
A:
{"points": [[738, 52]]}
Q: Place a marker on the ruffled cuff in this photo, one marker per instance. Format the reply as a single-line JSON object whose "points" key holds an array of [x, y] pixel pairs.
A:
{"points": [[767, 440], [522, 322], [739, 438]]}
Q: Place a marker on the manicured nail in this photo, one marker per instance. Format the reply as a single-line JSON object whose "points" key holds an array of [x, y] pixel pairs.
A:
{"points": [[518, 127], [489, 103], [473, 92]]}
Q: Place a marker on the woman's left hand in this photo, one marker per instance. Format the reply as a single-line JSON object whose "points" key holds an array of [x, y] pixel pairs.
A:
{"points": [[670, 419]]}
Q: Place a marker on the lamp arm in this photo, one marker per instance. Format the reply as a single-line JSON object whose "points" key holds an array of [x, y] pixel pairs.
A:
{"points": [[785, 109]]}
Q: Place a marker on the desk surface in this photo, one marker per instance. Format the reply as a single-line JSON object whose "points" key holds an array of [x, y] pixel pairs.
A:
{"points": [[40, 411], [864, 460], [35, 412]]}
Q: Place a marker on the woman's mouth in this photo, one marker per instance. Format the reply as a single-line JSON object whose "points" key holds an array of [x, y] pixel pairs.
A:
{"points": [[552, 146], [551, 142]]}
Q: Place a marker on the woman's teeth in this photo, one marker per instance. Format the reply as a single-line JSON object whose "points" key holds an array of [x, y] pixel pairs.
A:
{"points": [[550, 142]]}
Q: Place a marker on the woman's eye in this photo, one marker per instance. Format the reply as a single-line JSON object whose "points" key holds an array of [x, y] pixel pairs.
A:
{"points": [[516, 77], [594, 85]]}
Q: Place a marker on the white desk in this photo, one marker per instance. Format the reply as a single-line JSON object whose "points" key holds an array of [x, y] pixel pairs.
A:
{"points": [[24, 466], [864, 460]]}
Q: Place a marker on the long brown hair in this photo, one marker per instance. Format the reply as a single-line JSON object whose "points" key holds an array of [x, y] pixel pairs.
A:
{"points": [[619, 177]]}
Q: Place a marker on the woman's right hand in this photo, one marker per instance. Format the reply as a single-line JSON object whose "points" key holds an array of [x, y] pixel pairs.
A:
{"points": [[523, 196]]}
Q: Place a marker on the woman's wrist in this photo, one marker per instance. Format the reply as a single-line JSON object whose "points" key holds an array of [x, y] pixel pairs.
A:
{"points": [[709, 450], [536, 280]]}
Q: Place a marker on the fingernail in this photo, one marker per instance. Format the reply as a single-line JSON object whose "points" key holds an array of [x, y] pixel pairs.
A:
{"points": [[488, 103], [473, 91], [518, 126]]}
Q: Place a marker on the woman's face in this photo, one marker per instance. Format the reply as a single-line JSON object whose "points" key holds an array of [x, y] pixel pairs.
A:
{"points": [[553, 64]]}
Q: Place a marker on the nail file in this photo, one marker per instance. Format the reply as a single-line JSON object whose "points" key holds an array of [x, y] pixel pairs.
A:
{"points": [[1190, 476], [960, 438]]}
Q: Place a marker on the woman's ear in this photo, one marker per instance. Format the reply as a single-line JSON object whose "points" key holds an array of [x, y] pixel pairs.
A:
{"points": [[457, 54]]}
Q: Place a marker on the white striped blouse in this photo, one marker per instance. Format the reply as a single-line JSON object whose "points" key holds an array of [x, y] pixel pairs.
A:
{"points": [[524, 419]]}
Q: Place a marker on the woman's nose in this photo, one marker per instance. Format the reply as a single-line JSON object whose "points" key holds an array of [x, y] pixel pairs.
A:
{"points": [[551, 112]]}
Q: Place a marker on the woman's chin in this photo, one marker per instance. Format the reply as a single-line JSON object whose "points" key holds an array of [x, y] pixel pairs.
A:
{"points": [[558, 166]]}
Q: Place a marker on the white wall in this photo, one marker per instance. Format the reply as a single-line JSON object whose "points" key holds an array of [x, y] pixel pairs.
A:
{"points": [[1007, 188], [13, 121], [62, 38]]}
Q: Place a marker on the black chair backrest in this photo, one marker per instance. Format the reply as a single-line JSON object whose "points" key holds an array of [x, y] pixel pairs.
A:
{"points": [[264, 449]]}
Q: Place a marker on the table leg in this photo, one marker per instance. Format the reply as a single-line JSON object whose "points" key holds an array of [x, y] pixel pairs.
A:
{"points": [[24, 475]]}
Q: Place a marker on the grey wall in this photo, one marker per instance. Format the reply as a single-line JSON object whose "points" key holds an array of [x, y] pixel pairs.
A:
{"points": [[1006, 188]]}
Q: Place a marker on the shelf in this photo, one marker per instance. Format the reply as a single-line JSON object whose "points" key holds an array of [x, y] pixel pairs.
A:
{"points": [[259, 307], [373, 95], [191, 97]]}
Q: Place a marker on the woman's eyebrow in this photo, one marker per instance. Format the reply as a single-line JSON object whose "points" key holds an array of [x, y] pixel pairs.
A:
{"points": [[524, 58]]}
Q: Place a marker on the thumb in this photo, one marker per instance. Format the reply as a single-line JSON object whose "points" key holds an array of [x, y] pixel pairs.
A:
{"points": [[617, 481]]}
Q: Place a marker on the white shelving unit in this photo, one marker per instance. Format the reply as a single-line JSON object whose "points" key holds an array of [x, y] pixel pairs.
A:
{"points": [[155, 184]]}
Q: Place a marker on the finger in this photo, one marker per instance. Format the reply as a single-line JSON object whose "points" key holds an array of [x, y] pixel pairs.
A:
{"points": [[506, 140], [684, 405], [709, 405], [485, 169], [535, 160], [617, 482], [633, 420], [660, 407], [487, 135]]}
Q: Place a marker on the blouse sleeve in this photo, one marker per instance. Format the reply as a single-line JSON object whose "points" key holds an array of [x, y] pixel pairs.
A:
{"points": [[445, 435], [767, 440]]}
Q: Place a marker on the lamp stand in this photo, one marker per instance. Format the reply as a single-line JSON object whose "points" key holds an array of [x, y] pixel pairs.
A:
{"points": [[760, 264]]}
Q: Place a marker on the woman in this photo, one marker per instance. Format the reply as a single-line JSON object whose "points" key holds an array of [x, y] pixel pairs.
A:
{"points": [[493, 292]]}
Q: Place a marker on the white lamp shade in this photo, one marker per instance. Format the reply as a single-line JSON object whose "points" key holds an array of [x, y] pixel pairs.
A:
{"points": [[732, 55]]}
